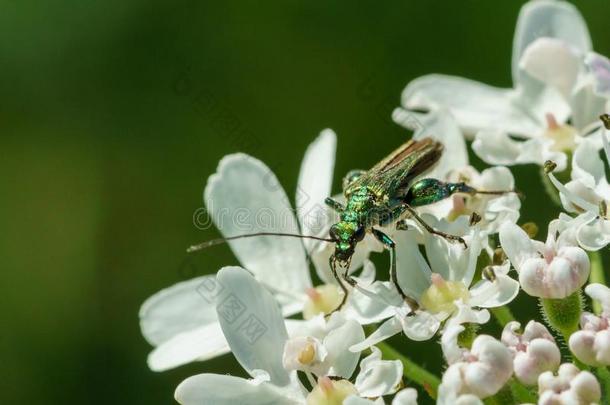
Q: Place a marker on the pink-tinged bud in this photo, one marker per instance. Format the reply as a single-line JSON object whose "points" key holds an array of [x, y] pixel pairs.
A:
{"points": [[534, 351], [556, 276], [569, 386], [483, 370], [554, 269], [591, 344]]}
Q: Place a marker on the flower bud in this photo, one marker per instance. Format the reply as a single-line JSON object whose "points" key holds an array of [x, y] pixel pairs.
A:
{"points": [[555, 277], [591, 344], [570, 386], [483, 370], [553, 270], [534, 351]]}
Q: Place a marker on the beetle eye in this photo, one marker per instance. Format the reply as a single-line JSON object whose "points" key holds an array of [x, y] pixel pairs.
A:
{"points": [[359, 234]]}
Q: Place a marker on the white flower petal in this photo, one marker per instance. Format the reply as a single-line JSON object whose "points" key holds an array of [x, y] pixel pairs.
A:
{"points": [[413, 272], [587, 105], [315, 181], [213, 389], [599, 66], [378, 377], [466, 314], [449, 342], [516, 244], [198, 344], [252, 324], [244, 197], [356, 400], [343, 362], [587, 166], [365, 309], [594, 235], [180, 308], [386, 330], [553, 62], [492, 294], [601, 293], [474, 105], [496, 147], [548, 18], [420, 326], [407, 396], [439, 125]]}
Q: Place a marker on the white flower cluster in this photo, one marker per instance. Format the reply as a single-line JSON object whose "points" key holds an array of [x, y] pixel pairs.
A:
{"points": [[297, 348]]}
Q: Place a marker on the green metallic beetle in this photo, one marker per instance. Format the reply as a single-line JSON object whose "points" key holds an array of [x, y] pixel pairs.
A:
{"points": [[383, 195], [387, 194]]}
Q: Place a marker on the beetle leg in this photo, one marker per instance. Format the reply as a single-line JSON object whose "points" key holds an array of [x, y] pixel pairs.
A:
{"points": [[452, 238], [389, 244], [334, 204], [333, 267]]}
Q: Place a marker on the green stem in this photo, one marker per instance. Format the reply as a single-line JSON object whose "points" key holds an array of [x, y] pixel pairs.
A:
{"points": [[504, 396], [563, 315], [503, 315], [597, 276], [411, 370], [604, 378], [521, 393]]}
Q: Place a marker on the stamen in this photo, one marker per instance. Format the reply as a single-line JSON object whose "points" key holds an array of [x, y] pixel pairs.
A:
{"points": [[551, 122]]}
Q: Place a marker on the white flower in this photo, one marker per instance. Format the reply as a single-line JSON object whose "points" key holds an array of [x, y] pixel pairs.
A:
{"points": [[376, 378], [570, 386], [534, 350], [443, 287], [255, 330], [551, 85], [591, 344], [481, 371], [244, 196], [554, 269], [587, 195], [321, 347]]}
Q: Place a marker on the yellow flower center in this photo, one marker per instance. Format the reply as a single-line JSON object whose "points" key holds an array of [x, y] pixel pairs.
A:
{"points": [[563, 136], [329, 392], [322, 300], [441, 295], [307, 355]]}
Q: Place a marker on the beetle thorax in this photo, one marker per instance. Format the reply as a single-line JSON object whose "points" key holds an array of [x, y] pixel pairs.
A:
{"points": [[359, 206]]}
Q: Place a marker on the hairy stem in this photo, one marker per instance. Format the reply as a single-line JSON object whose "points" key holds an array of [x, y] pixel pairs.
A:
{"points": [[563, 315], [411, 370], [503, 315], [521, 393], [604, 378]]}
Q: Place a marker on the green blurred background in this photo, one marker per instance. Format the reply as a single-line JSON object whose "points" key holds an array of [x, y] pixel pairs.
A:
{"points": [[113, 114]]}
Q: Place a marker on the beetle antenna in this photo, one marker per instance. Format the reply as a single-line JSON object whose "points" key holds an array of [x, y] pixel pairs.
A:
{"points": [[500, 192], [220, 241]]}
